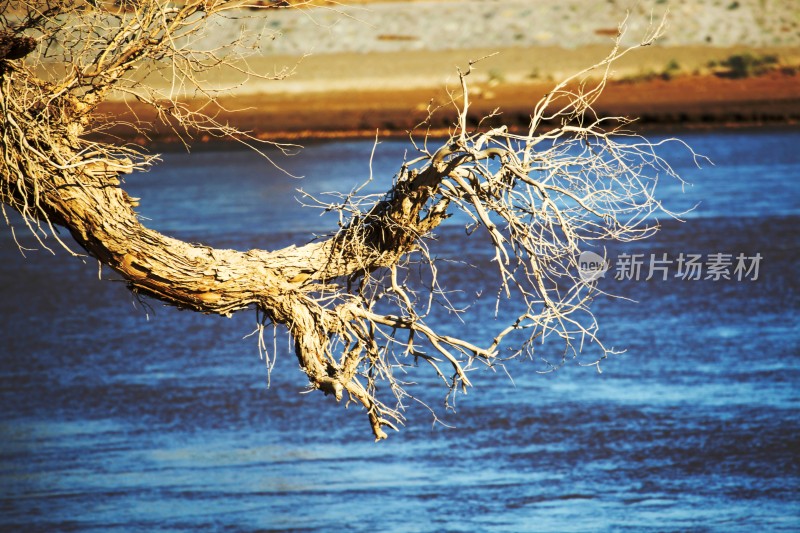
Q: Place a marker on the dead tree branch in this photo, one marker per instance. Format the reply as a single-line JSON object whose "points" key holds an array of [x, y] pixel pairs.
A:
{"points": [[535, 199]]}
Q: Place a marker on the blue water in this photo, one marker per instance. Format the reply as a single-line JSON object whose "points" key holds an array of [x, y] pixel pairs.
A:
{"points": [[120, 415]]}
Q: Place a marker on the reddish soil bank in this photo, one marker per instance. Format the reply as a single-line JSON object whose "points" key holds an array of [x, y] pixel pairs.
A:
{"points": [[683, 102]]}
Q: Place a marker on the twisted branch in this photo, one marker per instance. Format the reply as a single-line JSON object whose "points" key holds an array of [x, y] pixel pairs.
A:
{"points": [[349, 302]]}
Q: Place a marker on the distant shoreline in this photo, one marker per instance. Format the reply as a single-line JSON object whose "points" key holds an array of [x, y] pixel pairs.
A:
{"points": [[684, 102], [386, 86]]}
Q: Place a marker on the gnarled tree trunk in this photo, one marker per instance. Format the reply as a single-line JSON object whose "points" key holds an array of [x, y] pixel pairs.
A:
{"points": [[544, 195]]}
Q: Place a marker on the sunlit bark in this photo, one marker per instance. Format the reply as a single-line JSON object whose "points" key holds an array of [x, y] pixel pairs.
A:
{"points": [[535, 198]]}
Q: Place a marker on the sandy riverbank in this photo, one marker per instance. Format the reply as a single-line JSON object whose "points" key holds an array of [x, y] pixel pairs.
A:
{"points": [[377, 67], [674, 100]]}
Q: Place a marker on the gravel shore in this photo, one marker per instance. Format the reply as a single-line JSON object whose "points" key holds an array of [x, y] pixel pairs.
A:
{"points": [[449, 25], [406, 44]]}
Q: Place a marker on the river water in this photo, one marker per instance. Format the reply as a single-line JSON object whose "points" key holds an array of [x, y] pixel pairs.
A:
{"points": [[119, 415]]}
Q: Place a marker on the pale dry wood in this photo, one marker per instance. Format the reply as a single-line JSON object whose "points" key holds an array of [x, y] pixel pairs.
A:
{"points": [[346, 300]]}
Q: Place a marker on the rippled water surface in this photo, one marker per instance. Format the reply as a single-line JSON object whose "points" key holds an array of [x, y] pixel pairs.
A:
{"points": [[120, 417]]}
